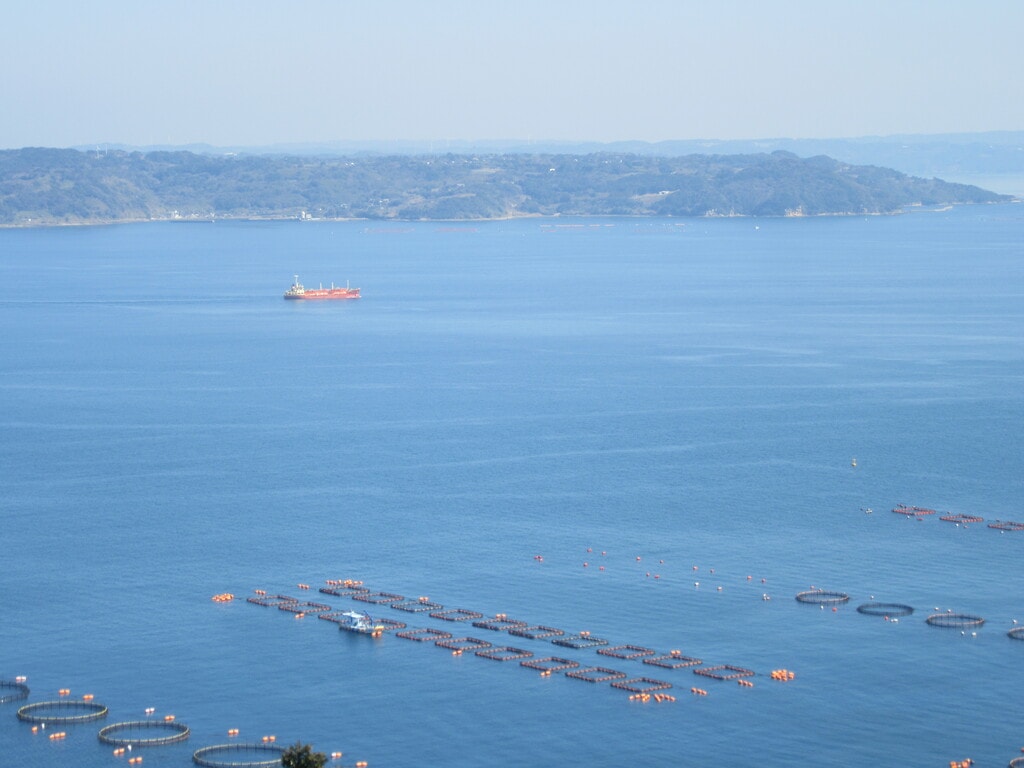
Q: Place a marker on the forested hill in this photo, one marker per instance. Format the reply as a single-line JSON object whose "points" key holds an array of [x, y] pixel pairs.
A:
{"points": [[65, 186]]}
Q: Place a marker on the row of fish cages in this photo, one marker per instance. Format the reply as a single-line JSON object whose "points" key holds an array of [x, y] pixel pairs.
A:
{"points": [[501, 623], [919, 513], [895, 611]]}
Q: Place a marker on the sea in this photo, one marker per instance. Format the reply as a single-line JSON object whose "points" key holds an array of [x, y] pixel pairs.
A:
{"points": [[654, 431]]}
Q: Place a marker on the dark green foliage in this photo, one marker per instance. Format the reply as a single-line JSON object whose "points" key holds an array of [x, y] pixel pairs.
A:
{"points": [[302, 756], [67, 186]]}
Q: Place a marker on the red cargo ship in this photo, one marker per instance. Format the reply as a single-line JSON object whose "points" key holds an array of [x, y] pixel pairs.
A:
{"points": [[298, 291]]}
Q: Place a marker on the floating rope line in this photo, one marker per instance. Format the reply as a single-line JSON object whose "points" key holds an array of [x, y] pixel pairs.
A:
{"points": [[822, 597], [954, 620], [12, 691], [885, 609], [224, 756], [62, 712], [130, 734]]}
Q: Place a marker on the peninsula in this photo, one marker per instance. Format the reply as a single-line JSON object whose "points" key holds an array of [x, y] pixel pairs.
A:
{"points": [[40, 186]]}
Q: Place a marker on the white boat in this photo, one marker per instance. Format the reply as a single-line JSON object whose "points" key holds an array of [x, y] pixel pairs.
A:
{"points": [[354, 621]]}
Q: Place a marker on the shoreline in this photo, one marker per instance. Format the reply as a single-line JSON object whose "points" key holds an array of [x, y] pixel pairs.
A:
{"points": [[909, 208]]}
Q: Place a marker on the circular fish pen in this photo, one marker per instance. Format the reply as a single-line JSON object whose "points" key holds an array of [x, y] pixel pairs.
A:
{"points": [[12, 691], [239, 756], [955, 620], [885, 609], [1017, 762], [62, 712], [137, 733], [1017, 633], [822, 597]]}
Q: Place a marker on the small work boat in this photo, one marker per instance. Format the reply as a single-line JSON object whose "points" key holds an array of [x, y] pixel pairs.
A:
{"points": [[361, 623]]}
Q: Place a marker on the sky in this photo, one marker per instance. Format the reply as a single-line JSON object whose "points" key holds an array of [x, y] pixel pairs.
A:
{"points": [[260, 72]]}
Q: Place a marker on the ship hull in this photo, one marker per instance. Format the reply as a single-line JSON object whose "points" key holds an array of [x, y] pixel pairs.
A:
{"points": [[298, 292], [324, 295]]}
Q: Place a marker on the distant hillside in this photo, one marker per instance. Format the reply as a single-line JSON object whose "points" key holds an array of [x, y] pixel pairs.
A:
{"points": [[945, 155], [62, 186]]}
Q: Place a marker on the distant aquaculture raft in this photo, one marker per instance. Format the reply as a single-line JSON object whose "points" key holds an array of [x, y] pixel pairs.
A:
{"points": [[642, 688], [903, 509], [143, 733], [1006, 525]]}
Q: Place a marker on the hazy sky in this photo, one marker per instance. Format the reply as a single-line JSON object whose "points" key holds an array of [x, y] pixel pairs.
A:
{"points": [[250, 72]]}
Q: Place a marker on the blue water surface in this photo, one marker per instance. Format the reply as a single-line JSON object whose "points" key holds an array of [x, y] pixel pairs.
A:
{"points": [[657, 409]]}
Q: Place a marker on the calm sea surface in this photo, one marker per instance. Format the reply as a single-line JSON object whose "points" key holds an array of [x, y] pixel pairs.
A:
{"points": [[677, 404]]}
